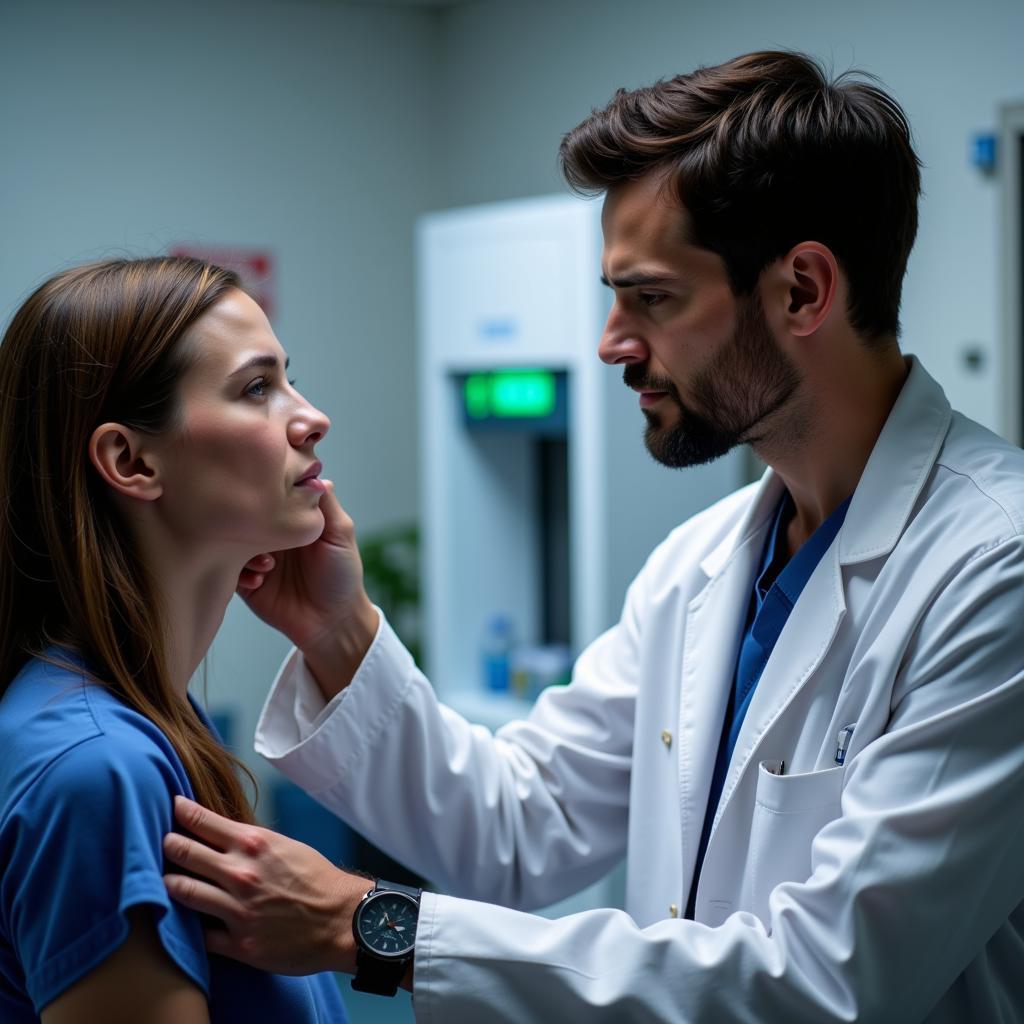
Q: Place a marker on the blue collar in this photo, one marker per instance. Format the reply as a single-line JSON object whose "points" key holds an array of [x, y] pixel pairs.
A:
{"points": [[788, 578]]}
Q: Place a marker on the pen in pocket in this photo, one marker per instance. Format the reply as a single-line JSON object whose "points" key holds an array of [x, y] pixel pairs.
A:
{"points": [[843, 743]]}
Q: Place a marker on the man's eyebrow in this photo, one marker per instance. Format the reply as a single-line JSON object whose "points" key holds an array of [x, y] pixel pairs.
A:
{"points": [[268, 361], [634, 280]]}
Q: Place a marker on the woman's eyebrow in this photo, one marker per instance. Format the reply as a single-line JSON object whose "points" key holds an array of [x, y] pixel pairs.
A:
{"points": [[256, 361]]}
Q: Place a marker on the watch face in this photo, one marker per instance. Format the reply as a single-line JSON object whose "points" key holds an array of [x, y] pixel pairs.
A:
{"points": [[387, 924]]}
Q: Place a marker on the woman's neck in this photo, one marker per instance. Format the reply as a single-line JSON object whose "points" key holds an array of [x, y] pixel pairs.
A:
{"points": [[193, 599], [196, 624]]}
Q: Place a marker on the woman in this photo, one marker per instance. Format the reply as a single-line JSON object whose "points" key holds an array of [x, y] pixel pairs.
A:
{"points": [[150, 445]]}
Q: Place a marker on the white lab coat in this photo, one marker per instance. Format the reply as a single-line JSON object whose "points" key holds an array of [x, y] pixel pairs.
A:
{"points": [[886, 889]]}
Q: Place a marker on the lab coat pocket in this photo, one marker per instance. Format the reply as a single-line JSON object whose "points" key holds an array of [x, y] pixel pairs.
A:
{"points": [[789, 811]]}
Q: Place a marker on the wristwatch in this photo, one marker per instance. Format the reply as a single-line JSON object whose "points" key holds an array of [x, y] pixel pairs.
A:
{"points": [[384, 927]]}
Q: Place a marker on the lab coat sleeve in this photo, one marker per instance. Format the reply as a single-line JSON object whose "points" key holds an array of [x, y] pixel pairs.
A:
{"points": [[907, 885], [523, 818]]}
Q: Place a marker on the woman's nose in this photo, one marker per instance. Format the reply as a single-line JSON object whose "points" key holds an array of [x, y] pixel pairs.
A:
{"points": [[308, 426]]}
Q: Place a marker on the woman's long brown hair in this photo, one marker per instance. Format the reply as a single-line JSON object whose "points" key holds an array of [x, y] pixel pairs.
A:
{"points": [[94, 344]]}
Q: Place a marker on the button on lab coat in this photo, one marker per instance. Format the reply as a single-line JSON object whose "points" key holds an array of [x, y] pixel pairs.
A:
{"points": [[886, 888]]}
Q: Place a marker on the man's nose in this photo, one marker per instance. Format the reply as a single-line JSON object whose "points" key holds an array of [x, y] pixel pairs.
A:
{"points": [[620, 343]]}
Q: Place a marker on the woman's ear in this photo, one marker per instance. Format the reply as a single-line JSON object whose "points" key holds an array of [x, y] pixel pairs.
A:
{"points": [[810, 281], [124, 463]]}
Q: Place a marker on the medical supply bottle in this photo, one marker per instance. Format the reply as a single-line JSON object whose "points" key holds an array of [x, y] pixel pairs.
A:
{"points": [[497, 650]]}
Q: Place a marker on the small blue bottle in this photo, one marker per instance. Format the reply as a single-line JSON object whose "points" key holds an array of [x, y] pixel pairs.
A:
{"points": [[497, 648]]}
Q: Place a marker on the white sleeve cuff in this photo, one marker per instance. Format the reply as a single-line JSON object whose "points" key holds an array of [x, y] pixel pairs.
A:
{"points": [[313, 741]]}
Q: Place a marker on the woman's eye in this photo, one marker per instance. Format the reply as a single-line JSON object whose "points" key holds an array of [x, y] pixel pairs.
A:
{"points": [[259, 387]]}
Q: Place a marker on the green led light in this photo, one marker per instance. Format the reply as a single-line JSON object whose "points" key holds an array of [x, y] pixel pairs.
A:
{"points": [[510, 394], [477, 395], [522, 393]]}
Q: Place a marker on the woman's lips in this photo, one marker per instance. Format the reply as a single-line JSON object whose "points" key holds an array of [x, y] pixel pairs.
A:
{"points": [[311, 479]]}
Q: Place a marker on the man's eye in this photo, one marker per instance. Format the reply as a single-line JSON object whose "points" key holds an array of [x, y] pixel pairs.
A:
{"points": [[651, 298]]}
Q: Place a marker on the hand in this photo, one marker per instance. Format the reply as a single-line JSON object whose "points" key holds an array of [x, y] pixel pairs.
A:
{"points": [[315, 596], [285, 908]]}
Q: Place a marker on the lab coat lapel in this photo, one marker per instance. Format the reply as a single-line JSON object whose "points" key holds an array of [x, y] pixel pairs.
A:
{"points": [[714, 621], [890, 485], [892, 480], [793, 662]]}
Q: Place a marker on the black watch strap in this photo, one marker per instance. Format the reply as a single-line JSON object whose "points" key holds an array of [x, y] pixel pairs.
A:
{"points": [[375, 974], [381, 977], [409, 890]]}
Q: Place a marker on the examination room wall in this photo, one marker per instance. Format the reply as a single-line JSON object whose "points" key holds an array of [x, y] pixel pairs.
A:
{"points": [[306, 129], [320, 130], [518, 75]]}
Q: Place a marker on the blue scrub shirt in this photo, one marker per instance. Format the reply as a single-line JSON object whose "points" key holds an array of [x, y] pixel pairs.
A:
{"points": [[777, 587], [86, 793]]}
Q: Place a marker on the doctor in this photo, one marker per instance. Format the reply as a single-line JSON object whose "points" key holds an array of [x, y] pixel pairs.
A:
{"points": [[805, 732]]}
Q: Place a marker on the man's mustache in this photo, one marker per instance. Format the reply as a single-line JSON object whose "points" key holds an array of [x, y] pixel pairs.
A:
{"points": [[635, 376]]}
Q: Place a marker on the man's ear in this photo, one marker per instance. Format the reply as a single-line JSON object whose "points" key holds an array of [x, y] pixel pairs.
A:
{"points": [[124, 462], [808, 279]]}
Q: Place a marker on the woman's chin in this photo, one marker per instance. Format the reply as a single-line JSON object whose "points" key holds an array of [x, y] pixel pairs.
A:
{"points": [[304, 532], [299, 533]]}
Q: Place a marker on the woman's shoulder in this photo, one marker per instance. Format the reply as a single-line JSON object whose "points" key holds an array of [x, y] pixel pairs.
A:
{"points": [[62, 730], [86, 797]]}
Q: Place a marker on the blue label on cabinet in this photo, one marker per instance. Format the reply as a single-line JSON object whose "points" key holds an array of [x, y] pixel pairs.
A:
{"points": [[498, 328]]}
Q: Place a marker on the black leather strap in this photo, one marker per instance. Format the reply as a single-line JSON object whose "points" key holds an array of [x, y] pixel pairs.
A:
{"points": [[409, 890], [381, 977]]}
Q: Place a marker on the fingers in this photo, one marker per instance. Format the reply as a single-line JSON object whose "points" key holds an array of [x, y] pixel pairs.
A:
{"points": [[338, 526], [253, 573], [197, 858], [221, 942], [249, 582], [213, 828], [203, 897]]}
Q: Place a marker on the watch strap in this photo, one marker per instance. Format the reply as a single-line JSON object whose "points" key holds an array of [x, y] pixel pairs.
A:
{"points": [[381, 977], [409, 890]]}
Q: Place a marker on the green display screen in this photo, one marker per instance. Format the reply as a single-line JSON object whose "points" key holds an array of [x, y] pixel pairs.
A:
{"points": [[510, 394]]}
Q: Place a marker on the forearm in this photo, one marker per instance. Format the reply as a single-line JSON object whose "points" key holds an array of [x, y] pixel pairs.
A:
{"points": [[439, 777]]}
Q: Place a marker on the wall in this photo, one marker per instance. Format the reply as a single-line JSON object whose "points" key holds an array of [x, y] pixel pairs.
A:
{"points": [[306, 128], [323, 129], [517, 76]]}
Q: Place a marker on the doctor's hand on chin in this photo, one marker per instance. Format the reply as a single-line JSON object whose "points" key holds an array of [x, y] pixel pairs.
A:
{"points": [[315, 596]]}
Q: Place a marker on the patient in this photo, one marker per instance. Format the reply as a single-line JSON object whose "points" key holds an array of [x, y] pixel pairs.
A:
{"points": [[150, 446]]}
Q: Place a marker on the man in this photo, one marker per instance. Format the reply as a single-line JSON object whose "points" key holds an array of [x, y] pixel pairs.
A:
{"points": [[804, 730]]}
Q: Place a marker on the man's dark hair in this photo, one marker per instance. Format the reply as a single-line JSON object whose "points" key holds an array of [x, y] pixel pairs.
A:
{"points": [[765, 152]]}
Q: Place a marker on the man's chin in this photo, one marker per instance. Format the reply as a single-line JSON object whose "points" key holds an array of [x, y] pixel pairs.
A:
{"points": [[679, 449]]}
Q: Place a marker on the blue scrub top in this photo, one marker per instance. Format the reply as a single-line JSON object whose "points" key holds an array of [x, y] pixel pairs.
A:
{"points": [[86, 793], [779, 583]]}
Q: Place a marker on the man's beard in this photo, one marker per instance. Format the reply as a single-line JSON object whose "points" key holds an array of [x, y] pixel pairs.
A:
{"points": [[745, 382]]}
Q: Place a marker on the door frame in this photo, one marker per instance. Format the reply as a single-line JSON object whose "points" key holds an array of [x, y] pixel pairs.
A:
{"points": [[1011, 143]]}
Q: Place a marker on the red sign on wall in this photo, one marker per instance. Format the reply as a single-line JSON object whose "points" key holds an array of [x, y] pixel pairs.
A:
{"points": [[255, 268]]}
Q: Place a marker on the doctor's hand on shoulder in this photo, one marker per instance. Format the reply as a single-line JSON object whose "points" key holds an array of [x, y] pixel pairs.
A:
{"points": [[282, 906], [315, 596]]}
